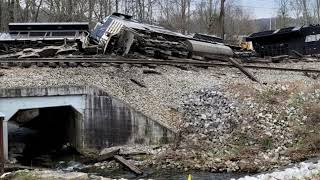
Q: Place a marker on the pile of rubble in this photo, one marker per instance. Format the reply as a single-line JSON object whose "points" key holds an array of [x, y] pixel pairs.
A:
{"points": [[210, 114], [271, 127]]}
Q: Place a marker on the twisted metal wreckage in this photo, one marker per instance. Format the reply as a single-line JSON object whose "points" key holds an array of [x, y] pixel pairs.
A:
{"points": [[117, 34]]}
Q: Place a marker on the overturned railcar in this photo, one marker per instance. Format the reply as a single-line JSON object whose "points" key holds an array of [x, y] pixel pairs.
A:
{"points": [[121, 34], [36, 35], [304, 40]]}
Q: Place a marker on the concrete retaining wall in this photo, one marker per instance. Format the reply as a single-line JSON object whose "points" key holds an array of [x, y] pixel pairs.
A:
{"points": [[109, 122]]}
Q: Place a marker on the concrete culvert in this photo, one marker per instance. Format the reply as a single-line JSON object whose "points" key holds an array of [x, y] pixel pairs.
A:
{"points": [[40, 137]]}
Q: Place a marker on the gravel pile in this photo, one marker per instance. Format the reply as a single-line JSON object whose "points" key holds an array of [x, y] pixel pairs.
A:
{"points": [[209, 112]]}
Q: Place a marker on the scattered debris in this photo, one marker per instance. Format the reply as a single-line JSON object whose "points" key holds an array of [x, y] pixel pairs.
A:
{"points": [[299, 55], [312, 75], [243, 70], [138, 83], [182, 67], [103, 157], [128, 165], [149, 71], [277, 59]]}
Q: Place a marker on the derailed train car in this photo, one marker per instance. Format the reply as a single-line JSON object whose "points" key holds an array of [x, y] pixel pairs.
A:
{"points": [[121, 34], [287, 41], [117, 34], [39, 35]]}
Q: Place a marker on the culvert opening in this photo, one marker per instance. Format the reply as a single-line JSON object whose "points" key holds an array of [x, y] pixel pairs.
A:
{"points": [[44, 136]]}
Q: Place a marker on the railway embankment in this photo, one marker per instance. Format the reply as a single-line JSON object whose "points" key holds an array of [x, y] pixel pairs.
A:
{"points": [[225, 122]]}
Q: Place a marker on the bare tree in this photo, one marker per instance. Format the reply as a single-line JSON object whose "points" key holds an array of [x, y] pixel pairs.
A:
{"points": [[306, 16], [177, 15], [1, 4], [117, 5], [296, 7], [91, 7], [221, 18], [283, 12], [11, 8], [318, 10]]}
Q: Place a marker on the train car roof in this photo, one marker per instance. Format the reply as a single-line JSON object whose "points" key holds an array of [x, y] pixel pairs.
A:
{"points": [[49, 26], [146, 27], [5, 36]]}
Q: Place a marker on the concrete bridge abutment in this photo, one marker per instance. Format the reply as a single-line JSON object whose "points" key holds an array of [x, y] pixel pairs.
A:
{"points": [[87, 117]]}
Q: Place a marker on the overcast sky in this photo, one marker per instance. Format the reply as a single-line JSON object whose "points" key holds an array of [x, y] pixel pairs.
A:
{"points": [[260, 8]]}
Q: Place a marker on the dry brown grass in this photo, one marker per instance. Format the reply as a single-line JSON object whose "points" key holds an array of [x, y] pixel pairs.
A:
{"points": [[268, 94], [308, 144], [243, 91], [312, 111]]}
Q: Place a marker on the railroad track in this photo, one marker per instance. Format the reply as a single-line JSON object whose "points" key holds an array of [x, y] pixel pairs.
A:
{"points": [[72, 62]]}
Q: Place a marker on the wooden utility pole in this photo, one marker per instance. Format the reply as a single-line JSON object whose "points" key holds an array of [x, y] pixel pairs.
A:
{"points": [[221, 18]]}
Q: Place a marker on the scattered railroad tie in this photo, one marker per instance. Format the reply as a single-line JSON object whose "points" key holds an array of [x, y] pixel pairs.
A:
{"points": [[312, 75], [138, 83], [103, 157], [182, 67], [296, 53], [243, 70], [150, 71], [151, 66], [4, 67], [277, 59], [124, 162], [114, 154]]}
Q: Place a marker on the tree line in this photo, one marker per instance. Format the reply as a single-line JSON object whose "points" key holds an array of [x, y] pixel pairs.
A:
{"points": [[297, 12]]}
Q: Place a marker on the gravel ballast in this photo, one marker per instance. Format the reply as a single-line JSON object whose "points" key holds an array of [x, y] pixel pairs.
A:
{"points": [[163, 93]]}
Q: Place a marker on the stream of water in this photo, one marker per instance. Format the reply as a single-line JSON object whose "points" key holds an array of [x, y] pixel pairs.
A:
{"points": [[165, 174]]}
